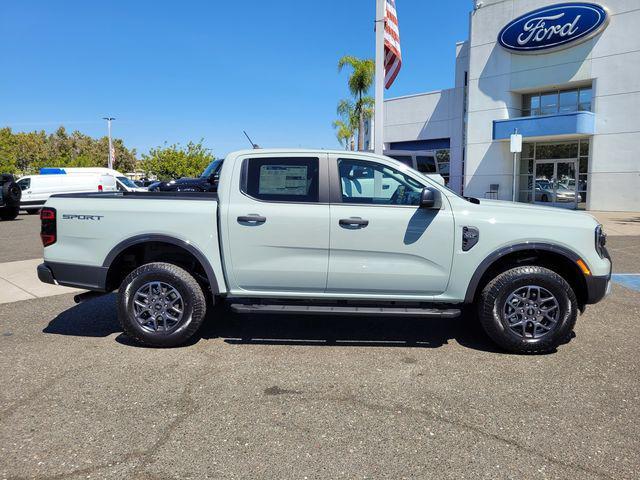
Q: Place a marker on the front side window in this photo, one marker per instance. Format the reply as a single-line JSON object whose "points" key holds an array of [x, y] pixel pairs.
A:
{"points": [[24, 184], [373, 183], [282, 179]]}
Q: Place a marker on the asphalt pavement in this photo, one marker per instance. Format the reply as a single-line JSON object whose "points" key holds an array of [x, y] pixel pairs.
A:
{"points": [[314, 397], [20, 239]]}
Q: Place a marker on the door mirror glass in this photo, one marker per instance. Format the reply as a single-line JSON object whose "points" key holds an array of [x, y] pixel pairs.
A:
{"points": [[430, 198]]}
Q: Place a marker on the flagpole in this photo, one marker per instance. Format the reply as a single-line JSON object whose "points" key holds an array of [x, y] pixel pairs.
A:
{"points": [[379, 81]]}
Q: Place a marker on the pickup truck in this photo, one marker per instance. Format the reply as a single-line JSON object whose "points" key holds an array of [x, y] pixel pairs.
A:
{"points": [[327, 232]]}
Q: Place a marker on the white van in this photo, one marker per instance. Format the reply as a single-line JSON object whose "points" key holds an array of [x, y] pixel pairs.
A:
{"points": [[36, 189], [124, 183]]}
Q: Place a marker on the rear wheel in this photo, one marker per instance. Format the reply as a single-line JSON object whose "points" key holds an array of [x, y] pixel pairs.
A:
{"points": [[9, 213], [528, 310], [33, 211], [160, 305]]}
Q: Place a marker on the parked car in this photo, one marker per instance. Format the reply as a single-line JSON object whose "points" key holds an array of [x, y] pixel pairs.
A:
{"points": [[318, 232], [10, 195], [144, 182], [36, 189], [545, 192], [207, 182]]}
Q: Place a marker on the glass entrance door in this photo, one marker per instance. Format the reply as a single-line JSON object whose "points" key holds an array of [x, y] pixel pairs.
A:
{"points": [[555, 183]]}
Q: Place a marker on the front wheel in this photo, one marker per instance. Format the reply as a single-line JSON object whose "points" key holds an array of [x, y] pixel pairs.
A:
{"points": [[528, 309], [160, 305]]}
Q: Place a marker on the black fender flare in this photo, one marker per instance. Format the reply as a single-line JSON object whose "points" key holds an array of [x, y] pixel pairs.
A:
{"points": [[501, 252], [146, 238]]}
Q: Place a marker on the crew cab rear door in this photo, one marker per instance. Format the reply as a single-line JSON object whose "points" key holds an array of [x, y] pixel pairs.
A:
{"points": [[277, 222], [382, 242]]}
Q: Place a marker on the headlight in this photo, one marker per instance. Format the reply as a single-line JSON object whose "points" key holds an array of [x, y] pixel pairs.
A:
{"points": [[601, 242]]}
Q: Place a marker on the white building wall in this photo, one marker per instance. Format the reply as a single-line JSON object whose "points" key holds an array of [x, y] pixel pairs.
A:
{"points": [[498, 78]]}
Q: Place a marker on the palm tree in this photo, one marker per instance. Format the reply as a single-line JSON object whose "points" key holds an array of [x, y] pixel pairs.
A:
{"points": [[360, 81], [344, 133]]}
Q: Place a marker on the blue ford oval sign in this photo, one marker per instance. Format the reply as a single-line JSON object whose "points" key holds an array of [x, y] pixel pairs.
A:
{"points": [[553, 27]]}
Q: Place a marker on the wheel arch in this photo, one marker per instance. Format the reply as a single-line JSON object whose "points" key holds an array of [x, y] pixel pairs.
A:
{"points": [[115, 258], [560, 259]]}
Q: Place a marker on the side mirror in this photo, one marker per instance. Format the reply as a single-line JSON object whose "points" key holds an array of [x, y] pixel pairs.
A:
{"points": [[430, 198]]}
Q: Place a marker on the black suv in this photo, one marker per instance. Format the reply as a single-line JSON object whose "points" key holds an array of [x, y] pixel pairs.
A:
{"points": [[207, 182], [10, 195]]}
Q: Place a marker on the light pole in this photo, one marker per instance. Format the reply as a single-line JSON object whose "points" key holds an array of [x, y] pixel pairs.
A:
{"points": [[110, 161]]}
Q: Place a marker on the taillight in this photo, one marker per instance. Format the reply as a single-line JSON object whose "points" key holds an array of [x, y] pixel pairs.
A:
{"points": [[99, 188], [48, 229]]}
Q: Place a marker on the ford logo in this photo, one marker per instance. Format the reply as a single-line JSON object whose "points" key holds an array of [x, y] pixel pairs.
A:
{"points": [[553, 28]]}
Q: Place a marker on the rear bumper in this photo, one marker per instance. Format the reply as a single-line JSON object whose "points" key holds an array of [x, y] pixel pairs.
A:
{"points": [[79, 276]]}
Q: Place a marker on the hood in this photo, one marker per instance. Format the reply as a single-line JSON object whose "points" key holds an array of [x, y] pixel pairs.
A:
{"points": [[528, 207]]}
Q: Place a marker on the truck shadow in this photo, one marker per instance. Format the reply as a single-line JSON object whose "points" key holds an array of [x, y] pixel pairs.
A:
{"points": [[97, 318], [345, 331]]}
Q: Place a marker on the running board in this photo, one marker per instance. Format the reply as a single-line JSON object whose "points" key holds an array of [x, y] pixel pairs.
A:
{"points": [[345, 310]]}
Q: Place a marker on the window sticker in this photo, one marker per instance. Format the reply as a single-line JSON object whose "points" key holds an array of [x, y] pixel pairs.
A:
{"points": [[283, 180]]}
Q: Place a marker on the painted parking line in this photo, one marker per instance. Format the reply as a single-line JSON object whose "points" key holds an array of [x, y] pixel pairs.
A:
{"points": [[628, 280]]}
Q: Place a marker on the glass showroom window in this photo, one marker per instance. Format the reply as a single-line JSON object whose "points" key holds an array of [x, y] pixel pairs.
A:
{"points": [[557, 101], [556, 159], [442, 159]]}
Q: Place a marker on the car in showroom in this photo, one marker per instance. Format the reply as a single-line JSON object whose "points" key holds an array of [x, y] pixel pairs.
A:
{"points": [[327, 233]]}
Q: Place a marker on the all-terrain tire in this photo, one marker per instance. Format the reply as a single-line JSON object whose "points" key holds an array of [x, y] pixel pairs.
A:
{"points": [[193, 304], [493, 305], [9, 213]]}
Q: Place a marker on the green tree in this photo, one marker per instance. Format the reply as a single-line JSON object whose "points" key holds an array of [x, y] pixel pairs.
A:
{"points": [[360, 82], [27, 152], [176, 161]]}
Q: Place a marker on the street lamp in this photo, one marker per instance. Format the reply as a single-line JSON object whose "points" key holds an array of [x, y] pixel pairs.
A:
{"points": [[110, 161]]}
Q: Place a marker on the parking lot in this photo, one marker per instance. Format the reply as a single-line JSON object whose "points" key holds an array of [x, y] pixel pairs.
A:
{"points": [[313, 397]]}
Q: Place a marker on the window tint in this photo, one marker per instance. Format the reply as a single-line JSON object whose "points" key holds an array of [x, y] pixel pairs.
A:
{"points": [[24, 184], [374, 183], [282, 179]]}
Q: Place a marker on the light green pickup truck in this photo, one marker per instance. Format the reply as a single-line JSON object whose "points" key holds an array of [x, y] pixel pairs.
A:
{"points": [[327, 232]]}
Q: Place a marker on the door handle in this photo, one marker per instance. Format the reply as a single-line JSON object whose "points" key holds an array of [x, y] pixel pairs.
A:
{"points": [[253, 219], [353, 223]]}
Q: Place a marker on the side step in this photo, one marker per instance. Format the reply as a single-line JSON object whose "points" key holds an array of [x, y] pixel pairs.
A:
{"points": [[346, 310]]}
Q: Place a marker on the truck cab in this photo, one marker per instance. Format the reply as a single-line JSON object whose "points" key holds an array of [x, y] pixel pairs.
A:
{"points": [[328, 232]]}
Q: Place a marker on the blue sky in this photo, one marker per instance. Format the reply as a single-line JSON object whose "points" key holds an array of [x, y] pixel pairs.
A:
{"points": [[178, 71]]}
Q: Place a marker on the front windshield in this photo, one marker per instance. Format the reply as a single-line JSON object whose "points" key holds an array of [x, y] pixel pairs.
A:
{"points": [[212, 168], [127, 182]]}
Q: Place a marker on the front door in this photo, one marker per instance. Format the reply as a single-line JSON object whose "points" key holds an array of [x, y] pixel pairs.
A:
{"points": [[555, 183], [381, 241], [277, 226]]}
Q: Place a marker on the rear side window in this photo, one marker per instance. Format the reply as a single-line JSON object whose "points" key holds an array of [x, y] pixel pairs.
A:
{"points": [[282, 179]]}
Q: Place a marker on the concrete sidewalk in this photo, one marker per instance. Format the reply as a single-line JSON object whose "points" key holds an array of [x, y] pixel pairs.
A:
{"points": [[19, 281], [619, 223]]}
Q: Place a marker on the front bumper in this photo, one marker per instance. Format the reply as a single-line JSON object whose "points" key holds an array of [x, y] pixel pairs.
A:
{"points": [[597, 288], [86, 277]]}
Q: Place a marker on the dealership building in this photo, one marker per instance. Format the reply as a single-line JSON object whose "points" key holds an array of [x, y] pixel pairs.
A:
{"points": [[565, 76]]}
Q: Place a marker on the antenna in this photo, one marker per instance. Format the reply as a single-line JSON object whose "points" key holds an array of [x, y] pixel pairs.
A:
{"points": [[255, 146]]}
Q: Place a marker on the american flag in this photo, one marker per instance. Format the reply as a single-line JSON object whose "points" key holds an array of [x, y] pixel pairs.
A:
{"points": [[392, 53]]}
